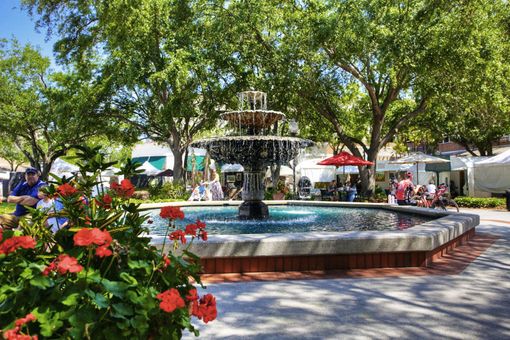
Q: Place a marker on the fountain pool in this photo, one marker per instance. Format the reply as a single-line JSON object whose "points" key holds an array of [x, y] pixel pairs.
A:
{"points": [[432, 235], [292, 219]]}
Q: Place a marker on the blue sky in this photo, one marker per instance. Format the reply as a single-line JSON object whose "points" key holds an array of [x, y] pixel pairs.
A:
{"points": [[17, 23]]}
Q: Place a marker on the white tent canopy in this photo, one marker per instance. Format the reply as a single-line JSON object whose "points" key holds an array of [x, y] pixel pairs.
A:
{"points": [[315, 172], [149, 169], [493, 174], [231, 168], [348, 169], [284, 171], [60, 166]]}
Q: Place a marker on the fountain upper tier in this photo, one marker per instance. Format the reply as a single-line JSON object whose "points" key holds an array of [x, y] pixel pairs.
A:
{"points": [[253, 151], [259, 119]]}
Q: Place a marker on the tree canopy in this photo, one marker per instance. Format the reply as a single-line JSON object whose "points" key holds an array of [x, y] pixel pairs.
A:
{"points": [[44, 113]]}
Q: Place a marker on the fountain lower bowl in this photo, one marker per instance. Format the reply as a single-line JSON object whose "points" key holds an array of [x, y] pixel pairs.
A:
{"points": [[250, 151], [418, 246]]}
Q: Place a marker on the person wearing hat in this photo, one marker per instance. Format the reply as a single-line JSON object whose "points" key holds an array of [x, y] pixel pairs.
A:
{"points": [[404, 190], [24, 195]]}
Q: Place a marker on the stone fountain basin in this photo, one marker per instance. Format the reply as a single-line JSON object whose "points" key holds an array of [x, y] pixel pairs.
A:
{"points": [[418, 246]]}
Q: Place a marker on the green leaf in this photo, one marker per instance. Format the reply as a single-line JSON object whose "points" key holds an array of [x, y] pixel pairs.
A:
{"points": [[97, 298], [123, 309], [71, 299], [48, 321], [42, 282], [129, 279], [115, 288]]}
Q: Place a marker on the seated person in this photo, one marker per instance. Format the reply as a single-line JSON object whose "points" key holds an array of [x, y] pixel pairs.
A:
{"points": [[405, 190], [51, 206], [331, 190], [25, 194], [431, 190], [195, 194], [351, 191]]}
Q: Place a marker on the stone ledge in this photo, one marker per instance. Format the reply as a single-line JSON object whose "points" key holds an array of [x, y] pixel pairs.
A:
{"points": [[425, 237]]}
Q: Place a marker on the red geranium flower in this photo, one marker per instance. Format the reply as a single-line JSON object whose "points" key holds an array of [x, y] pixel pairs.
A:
{"points": [[205, 309], [126, 189], [200, 224], [170, 300], [192, 295], [13, 334], [88, 236], [66, 189], [105, 201], [103, 251], [178, 235], [172, 213], [21, 321], [63, 264], [191, 229], [203, 235], [166, 261], [11, 244], [66, 263]]}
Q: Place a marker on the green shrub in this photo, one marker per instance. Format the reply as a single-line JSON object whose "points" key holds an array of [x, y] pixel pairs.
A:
{"points": [[477, 202], [173, 191]]}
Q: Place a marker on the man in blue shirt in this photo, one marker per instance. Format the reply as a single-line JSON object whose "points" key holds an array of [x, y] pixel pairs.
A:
{"points": [[25, 194]]}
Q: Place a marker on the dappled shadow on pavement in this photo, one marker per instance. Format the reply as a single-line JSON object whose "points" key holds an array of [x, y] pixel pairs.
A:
{"points": [[471, 301]]}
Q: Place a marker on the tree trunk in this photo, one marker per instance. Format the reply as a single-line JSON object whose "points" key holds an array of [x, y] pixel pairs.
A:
{"points": [[178, 165], [367, 176]]}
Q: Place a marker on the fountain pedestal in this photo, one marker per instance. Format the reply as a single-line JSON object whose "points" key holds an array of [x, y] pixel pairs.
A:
{"points": [[253, 193]]}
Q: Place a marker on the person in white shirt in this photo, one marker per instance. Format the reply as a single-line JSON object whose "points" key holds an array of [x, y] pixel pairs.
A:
{"points": [[51, 206], [431, 189]]}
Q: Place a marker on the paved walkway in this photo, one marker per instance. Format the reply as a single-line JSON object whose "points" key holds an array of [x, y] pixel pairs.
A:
{"points": [[472, 304]]}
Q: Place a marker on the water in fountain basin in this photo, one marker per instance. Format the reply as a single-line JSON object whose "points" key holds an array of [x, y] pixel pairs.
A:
{"points": [[292, 219]]}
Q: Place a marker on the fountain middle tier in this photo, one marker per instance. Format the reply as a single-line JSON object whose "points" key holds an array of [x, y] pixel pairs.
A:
{"points": [[253, 151]]}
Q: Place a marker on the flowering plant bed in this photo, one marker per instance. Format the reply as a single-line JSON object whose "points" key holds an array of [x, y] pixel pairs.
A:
{"points": [[98, 277]]}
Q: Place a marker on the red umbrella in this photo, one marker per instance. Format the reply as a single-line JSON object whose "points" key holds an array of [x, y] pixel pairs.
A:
{"points": [[344, 158]]}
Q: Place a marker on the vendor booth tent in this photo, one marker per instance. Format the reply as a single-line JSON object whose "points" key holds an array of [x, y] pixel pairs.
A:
{"points": [[493, 174], [315, 172]]}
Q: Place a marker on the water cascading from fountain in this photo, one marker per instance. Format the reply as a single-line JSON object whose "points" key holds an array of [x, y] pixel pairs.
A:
{"points": [[251, 145]]}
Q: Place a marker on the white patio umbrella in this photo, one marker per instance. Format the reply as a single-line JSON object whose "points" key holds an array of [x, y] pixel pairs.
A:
{"points": [[417, 158]]}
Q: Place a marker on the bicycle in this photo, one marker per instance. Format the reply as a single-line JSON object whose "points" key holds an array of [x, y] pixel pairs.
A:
{"points": [[440, 200]]}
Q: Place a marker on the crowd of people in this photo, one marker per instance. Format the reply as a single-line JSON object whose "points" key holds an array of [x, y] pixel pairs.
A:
{"points": [[404, 192]]}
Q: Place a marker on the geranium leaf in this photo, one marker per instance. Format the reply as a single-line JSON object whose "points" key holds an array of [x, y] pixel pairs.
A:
{"points": [[98, 299], [71, 299], [129, 279], [115, 287], [41, 282], [48, 321], [123, 309]]}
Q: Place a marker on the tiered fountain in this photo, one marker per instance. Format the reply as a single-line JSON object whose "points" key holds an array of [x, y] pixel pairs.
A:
{"points": [[251, 144]]}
